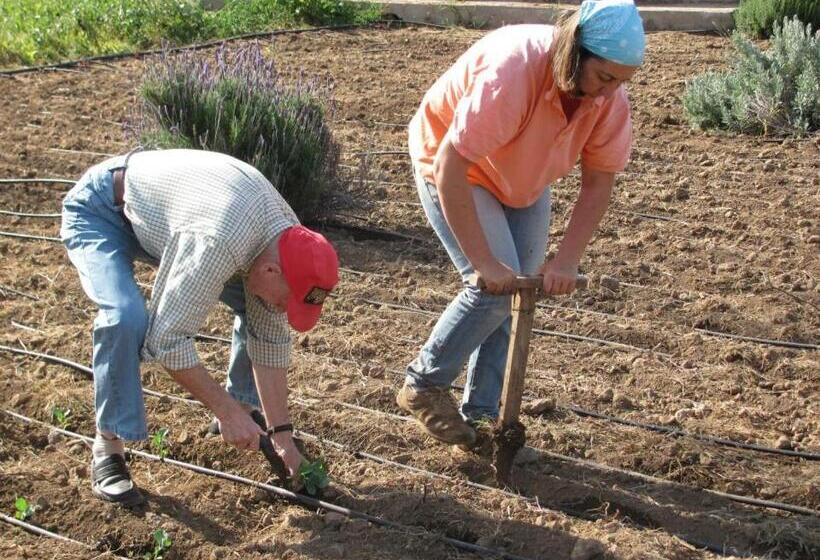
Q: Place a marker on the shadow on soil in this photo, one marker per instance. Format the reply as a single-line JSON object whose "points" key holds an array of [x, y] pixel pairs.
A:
{"points": [[445, 515], [698, 517]]}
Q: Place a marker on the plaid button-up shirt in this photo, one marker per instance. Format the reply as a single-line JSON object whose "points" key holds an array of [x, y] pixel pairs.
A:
{"points": [[205, 217]]}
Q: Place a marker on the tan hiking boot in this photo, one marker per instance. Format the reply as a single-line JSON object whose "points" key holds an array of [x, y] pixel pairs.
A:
{"points": [[483, 444], [437, 413]]}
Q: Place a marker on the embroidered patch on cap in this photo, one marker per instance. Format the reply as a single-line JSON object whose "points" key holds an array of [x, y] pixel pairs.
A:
{"points": [[316, 296]]}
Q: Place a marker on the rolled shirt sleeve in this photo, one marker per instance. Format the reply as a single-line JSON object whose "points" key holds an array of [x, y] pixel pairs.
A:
{"points": [[609, 145], [192, 273], [268, 334]]}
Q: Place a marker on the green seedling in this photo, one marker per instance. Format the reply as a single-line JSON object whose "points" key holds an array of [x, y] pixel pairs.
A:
{"points": [[314, 476], [162, 544], [159, 443], [23, 509], [60, 416]]}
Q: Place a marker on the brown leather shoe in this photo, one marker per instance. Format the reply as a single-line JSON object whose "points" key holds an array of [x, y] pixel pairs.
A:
{"points": [[437, 413]]}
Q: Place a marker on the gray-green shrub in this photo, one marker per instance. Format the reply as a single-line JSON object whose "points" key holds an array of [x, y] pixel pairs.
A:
{"points": [[773, 91], [757, 18], [238, 104]]}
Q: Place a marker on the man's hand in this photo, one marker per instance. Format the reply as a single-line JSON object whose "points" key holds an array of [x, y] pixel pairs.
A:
{"points": [[559, 278], [239, 429], [290, 455]]}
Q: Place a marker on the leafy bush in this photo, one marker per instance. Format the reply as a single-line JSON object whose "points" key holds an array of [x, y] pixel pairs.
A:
{"points": [[774, 91], [758, 17], [36, 31], [330, 12], [237, 104]]}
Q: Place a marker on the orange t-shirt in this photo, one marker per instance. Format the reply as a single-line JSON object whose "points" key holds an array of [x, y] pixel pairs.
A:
{"points": [[502, 109]]}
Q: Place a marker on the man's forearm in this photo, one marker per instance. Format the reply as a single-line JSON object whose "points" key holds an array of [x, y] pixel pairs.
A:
{"points": [[272, 385], [205, 389]]}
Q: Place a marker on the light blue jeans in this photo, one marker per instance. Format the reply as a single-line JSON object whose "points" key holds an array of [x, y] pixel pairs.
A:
{"points": [[103, 247], [476, 325]]}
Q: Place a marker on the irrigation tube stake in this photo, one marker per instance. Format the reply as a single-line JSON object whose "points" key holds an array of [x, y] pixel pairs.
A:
{"points": [[312, 503]]}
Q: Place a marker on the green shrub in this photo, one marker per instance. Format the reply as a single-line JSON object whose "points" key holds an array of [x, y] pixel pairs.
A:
{"points": [[237, 104], [774, 91], [758, 17], [38, 31], [330, 12]]}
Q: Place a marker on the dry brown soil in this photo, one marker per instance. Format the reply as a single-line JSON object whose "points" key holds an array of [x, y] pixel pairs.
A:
{"points": [[737, 253]]}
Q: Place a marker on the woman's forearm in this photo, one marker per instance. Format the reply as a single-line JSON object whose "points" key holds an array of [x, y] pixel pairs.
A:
{"points": [[457, 203], [592, 203]]}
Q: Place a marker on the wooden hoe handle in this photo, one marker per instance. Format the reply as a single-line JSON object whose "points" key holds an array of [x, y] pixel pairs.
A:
{"points": [[534, 282]]}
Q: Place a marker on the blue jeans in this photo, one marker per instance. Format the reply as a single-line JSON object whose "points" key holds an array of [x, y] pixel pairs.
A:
{"points": [[103, 247], [476, 325]]}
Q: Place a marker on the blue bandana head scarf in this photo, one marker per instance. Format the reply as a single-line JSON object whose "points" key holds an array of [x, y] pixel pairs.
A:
{"points": [[612, 29]]}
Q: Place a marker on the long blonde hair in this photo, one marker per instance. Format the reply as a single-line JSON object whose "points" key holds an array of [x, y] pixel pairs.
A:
{"points": [[567, 51]]}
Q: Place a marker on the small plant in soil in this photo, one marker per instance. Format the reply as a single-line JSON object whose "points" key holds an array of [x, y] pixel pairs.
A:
{"points": [[314, 476], [162, 544], [159, 443], [23, 509], [60, 416]]}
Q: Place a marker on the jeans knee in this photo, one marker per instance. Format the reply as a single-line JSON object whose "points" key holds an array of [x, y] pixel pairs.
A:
{"points": [[128, 318], [494, 305]]}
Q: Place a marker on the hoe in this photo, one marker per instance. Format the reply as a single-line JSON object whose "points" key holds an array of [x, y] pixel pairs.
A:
{"points": [[509, 434]]}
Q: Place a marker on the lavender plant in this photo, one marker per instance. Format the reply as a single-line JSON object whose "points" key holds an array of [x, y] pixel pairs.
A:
{"points": [[237, 103], [773, 91]]}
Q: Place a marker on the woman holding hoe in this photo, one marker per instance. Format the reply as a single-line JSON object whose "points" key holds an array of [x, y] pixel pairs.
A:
{"points": [[513, 114]]}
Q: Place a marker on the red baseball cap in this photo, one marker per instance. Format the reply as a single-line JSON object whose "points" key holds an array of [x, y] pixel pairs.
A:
{"points": [[311, 269]]}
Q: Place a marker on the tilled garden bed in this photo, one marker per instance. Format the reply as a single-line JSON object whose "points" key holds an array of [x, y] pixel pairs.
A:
{"points": [[708, 235]]}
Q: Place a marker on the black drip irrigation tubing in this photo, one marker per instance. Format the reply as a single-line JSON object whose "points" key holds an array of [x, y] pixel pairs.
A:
{"points": [[783, 343], [40, 532], [575, 409], [29, 236], [307, 501], [542, 332], [590, 464], [28, 214], [36, 181], [388, 235], [722, 550], [675, 432], [209, 44], [580, 411]]}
